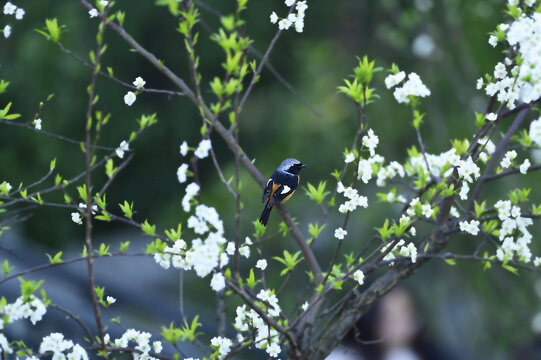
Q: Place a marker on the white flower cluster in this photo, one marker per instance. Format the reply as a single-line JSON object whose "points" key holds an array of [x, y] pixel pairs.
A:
{"points": [[10, 9], [174, 254], [244, 250], [488, 149], [266, 337], [436, 162], [124, 146], [412, 87], [471, 227], [401, 249], [37, 124], [350, 157], [525, 166], [223, 344], [203, 149], [524, 82], [394, 79], [33, 309], [56, 344], [366, 167], [139, 83], [182, 173], [204, 216], [143, 344], [524, 33], [205, 255], [371, 141], [392, 197], [354, 201], [508, 159], [218, 282], [4, 345], [389, 172], [191, 190], [296, 20], [511, 220], [535, 131]]}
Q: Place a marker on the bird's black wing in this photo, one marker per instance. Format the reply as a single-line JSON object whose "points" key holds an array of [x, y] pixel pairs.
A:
{"points": [[287, 185], [268, 190]]}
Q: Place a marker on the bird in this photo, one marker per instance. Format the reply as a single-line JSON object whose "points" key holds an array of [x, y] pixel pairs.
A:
{"points": [[281, 186]]}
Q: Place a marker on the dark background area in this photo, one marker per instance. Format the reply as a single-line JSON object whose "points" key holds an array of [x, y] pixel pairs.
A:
{"points": [[479, 315]]}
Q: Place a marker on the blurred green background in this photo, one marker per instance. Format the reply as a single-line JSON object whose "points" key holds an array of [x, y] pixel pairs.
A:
{"points": [[477, 314]]}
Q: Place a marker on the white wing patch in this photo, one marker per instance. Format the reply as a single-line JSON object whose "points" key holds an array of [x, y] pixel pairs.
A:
{"points": [[269, 182], [286, 189]]}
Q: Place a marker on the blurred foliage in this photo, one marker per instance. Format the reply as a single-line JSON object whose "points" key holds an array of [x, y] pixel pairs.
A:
{"points": [[276, 123]]}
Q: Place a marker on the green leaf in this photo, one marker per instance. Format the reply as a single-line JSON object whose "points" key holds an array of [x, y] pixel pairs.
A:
{"points": [[148, 229], [317, 194], [6, 268], [29, 287], [104, 250], [124, 246], [57, 259], [510, 268], [127, 209], [82, 193], [250, 281], [451, 262]]}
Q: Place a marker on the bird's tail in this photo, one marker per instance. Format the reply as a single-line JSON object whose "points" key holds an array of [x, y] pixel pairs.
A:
{"points": [[265, 215]]}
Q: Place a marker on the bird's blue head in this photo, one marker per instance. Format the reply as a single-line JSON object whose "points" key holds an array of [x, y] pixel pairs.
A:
{"points": [[291, 166]]}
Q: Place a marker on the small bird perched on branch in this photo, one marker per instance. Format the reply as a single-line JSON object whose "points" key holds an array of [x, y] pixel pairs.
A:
{"points": [[281, 186]]}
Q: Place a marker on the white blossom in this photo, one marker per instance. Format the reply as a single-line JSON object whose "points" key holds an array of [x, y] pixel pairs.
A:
{"points": [[261, 264], [359, 277], [182, 173], [191, 190], [94, 13], [9, 8], [76, 218], [491, 116], [202, 150], [184, 148], [471, 227], [223, 344], [37, 124], [139, 82], [218, 282], [426, 210], [129, 98], [394, 79], [19, 14], [7, 31], [535, 131], [412, 87], [371, 141], [349, 158], [110, 300], [340, 233], [124, 146], [284, 24], [508, 158], [525, 166], [273, 18]]}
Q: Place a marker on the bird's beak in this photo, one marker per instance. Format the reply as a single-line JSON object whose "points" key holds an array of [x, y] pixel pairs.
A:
{"points": [[303, 165]]}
